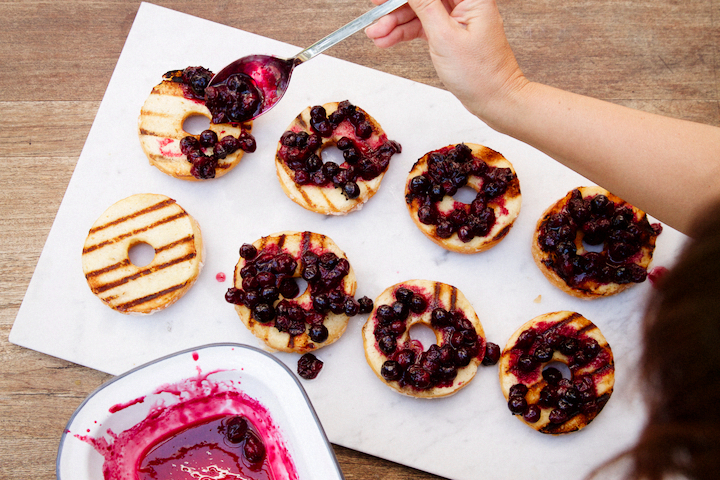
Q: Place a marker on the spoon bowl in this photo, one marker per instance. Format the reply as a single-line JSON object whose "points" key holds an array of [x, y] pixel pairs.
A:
{"points": [[270, 75]]}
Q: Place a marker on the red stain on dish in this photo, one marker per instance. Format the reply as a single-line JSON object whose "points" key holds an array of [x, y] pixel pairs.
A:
{"points": [[220, 277], [195, 356], [168, 152], [212, 431]]}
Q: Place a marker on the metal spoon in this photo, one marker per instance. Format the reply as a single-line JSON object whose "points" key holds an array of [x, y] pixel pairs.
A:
{"points": [[272, 74]]}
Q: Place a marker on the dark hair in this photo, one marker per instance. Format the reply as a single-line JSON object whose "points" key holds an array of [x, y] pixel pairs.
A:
{"points": [[680, 364]]}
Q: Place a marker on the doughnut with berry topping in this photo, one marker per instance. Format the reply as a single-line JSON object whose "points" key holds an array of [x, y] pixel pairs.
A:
{"points": [[401, 362], [454, 225], [592, 244], [536, 390], [171, 149], [268, 299], [328, 187]]}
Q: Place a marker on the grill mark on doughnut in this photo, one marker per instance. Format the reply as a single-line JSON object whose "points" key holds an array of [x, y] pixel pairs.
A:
{"points": [[453, 298], [587, 328], [501, 234], [305, 196], [330, 204], [609, 367], [301, 122], [123, 236], [146, 271], [109, 268], [564, 321], [147, 132], [133, 303], [136, 214], [188, 239], [261, 245], [436, 293], [304, 243]]}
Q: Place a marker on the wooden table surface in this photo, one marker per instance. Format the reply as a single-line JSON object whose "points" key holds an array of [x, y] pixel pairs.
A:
{"points": [[56, 58]]}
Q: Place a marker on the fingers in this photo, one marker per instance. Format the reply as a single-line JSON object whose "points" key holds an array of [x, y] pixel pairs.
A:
{"points": [[402, 33], [433, 15], [398, 26]]}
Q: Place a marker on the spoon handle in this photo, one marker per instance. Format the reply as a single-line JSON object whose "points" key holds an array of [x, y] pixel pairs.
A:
{"points": [[343, 32]]}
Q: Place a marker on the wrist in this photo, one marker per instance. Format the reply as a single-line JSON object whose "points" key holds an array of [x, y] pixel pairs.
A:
{"points": [[503, 110]]}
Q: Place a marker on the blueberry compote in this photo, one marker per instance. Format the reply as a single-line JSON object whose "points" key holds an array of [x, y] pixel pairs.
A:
{"points": [[219, 447], [205, 152], [596, 220], [366, 155], [449, 170], [438, 365], [587, 361], [193, 80], [268, 289], [237, 99]]}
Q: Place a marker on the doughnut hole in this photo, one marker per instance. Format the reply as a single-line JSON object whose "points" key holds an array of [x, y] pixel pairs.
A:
{"points": [[196, 124], [332, 154], [422, 335], [141, 254], [561, 367], [302, 286], [465, 195], [593, 248]]}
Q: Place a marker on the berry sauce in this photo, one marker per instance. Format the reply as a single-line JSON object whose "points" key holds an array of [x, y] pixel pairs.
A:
{"points": [[213, 431], [205, 151], [448, 170], [366, 153], [210, 448], [596, 220], [237, 99]]}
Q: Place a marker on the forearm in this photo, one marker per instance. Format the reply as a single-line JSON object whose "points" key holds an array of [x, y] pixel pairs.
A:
{"points": [[668, 167]]}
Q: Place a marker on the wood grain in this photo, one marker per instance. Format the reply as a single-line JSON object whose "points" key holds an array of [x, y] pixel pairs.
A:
{"points": [[56, 59]]}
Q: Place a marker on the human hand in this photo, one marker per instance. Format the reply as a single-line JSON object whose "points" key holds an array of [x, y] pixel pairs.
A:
{"points": [[467, 46]]}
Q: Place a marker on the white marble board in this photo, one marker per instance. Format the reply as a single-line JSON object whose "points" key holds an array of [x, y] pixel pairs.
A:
{"points": [[467, 436]]}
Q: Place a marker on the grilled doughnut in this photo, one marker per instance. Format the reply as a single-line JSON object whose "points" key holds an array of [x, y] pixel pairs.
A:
{"points": [[457, 226], [330, 188], [268, 300], [540, 396], [593, 216], [178, 153], [401, 362], [143, 218]]}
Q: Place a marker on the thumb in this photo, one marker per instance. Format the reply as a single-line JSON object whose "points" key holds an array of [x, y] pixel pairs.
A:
{"points": [[433, 15]]}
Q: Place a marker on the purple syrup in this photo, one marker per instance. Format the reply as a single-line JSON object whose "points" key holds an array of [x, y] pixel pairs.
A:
{"points": [[206, 446]]}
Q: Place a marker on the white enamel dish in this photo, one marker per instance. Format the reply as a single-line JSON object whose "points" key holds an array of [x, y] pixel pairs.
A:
{"points": [[257, 374]]}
